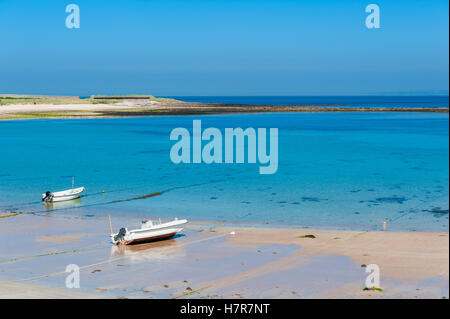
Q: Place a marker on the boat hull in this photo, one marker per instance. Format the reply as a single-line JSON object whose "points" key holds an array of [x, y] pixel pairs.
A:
{"points": [[147, 239], [63, 196]]}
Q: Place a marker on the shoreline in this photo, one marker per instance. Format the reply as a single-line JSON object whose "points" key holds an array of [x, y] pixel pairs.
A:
{"points": [[217, 261], [390, 227], [137, 108]]}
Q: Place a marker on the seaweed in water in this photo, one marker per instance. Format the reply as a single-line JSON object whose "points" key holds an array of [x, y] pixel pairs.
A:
{"points": [[140, 197], [437, 210], [390, 200], [311, 199]]}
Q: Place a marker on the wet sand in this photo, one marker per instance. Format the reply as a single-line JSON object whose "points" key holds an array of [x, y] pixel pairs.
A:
{"points": [[208, 261]]}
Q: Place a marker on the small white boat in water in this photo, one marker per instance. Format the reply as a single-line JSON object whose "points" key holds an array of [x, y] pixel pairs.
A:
{"points": [[69, 194], [148, 232]]}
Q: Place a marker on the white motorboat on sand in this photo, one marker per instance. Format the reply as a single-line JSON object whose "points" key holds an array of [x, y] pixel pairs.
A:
{"points": [[148, 232]]}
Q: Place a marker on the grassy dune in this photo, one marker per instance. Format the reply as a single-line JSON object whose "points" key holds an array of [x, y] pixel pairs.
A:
{"points": [[97, 99], [6, 100]]}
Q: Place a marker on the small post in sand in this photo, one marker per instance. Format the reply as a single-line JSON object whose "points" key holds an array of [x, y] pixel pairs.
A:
{"points": [[110, 225]]}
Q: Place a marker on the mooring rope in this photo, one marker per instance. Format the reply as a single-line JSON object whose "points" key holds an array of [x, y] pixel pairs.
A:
{"points": [[413, 209], [50, 210]]}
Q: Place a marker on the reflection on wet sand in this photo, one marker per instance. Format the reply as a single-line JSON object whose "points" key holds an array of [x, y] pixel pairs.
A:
{"points": [[157, 250], [62, 205]]}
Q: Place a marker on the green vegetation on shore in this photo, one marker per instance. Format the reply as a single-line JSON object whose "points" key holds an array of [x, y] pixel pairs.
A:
{"points": [[6, 100], [97, 99], [134, 97]]}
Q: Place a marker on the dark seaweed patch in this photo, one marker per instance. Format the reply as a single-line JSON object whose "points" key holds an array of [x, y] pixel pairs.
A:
{"points": [[307, 236], [140, 197], [389, 200], [437, 211], [311, 199]]}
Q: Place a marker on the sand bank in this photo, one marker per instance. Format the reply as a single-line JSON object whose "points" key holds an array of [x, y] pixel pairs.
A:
{"points": [[17, 290], [207, 261]]}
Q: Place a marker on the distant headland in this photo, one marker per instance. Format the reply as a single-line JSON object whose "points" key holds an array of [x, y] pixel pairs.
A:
{"points": [[15, 106]]}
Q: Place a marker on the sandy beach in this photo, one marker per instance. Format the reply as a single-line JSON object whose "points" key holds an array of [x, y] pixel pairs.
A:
{"points": [[224, 158], [213, 260]]}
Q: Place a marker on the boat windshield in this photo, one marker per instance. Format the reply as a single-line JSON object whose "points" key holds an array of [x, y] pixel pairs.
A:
{"points": [[147, 224]]}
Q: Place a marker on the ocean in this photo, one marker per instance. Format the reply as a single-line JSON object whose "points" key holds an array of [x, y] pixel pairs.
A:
{"points": [[335, 170], [345, 101]]}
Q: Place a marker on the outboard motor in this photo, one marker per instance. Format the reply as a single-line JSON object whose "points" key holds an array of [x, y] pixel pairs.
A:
{"points": [[120, 235], [48, 197]]}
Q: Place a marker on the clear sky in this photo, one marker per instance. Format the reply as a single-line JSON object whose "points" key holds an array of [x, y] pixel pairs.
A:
{"points": [[226, 47]]}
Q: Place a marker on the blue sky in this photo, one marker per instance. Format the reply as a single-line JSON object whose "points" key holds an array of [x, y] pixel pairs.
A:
{"points": [[227, 47]]}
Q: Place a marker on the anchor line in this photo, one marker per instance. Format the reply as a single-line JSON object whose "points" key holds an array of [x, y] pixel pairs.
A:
{"points": [[106, 261], [125, 200], [416, 207]]}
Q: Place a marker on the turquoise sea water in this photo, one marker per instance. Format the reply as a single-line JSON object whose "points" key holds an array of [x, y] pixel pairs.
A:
{"points": [[344, 170], [345, 101]]}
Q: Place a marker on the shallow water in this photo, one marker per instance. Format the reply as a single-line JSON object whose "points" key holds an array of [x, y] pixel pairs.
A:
{"points": [[344, 170]]}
